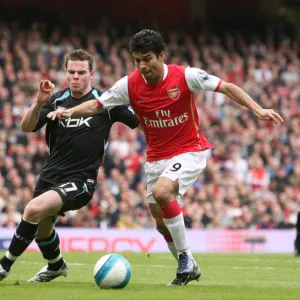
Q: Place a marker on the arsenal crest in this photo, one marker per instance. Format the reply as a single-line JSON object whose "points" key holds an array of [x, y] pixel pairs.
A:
{"points": [[174, 93]]}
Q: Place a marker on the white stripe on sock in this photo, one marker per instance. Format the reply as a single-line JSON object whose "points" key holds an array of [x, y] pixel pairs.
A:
{"points": [[52, 261], [10, 256]]}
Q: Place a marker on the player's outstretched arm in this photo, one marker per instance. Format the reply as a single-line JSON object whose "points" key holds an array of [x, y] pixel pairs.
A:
{"points": [[86, 109], [239, 96]]}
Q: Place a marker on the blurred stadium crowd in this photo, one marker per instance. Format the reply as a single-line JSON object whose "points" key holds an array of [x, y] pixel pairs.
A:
{"points": [[253, 173]]}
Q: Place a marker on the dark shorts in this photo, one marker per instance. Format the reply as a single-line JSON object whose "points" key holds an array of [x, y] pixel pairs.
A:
{"points": [[74, 194]]}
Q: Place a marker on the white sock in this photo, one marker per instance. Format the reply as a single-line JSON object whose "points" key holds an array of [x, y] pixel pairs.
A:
{"points": [[177, 230], [173, 250]]}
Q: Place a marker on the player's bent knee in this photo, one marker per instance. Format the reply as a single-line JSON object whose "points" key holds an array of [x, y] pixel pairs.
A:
{"points": [[162, 193], [32, 212]]}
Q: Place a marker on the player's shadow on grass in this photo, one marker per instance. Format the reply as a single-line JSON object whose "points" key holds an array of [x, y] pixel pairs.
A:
{"points": [[136, 286]]}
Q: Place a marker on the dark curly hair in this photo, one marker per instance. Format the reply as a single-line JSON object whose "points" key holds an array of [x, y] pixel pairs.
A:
{"points": [[147, 40]]}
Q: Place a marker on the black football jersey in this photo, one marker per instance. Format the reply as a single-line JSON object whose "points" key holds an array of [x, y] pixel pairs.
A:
{"points": [[77, 145]]}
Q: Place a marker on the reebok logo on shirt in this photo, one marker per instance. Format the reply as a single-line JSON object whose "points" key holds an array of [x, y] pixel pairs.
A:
{"points": [[69, 123]]}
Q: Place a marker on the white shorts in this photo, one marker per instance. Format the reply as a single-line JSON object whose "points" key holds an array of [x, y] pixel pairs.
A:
{"points": [[185, 167]]}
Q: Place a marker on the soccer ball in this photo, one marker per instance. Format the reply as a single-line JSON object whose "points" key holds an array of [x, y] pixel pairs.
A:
{"points": [[112, 271]]}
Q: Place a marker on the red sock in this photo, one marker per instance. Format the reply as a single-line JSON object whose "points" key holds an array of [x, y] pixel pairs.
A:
{"points": [[171, 210], [168, 238]]}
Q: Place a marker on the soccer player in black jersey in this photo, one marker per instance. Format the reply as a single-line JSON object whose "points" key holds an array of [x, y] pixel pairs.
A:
{"points": [[69, 175]]}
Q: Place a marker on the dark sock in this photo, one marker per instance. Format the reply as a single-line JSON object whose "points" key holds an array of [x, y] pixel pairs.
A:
{"points": [[298, 223], [22, 238], [50, 250]]}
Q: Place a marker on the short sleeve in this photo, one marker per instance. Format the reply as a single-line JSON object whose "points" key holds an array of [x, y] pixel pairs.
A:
{"points": [[198, 79], [116, 95]]}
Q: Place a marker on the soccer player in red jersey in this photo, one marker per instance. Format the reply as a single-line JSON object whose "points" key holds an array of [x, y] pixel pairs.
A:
{"points": [[162, 97]]}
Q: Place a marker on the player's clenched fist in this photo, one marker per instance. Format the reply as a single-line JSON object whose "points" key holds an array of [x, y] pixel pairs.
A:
{"points": [[45, 91]]}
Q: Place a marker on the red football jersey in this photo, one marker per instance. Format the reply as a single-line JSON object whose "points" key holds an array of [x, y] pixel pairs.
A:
{"points": [[167, 113]]}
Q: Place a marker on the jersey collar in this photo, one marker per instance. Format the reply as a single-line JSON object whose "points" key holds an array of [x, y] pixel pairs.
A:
{"points": [[165, 71]]}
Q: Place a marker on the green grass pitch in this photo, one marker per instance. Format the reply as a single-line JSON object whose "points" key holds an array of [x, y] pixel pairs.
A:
{"points": [[224, 276]]}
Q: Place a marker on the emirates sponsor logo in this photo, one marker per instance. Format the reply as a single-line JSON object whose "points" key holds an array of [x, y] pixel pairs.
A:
{"points": [[164, 123], [174, 93]]}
